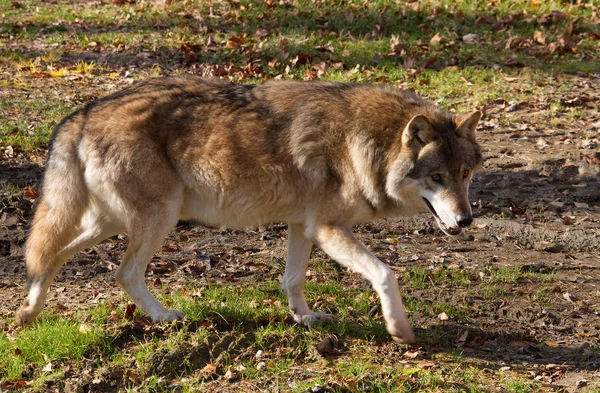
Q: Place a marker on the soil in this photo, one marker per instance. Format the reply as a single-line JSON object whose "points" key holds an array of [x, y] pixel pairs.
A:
{"points": [[536, 206]]}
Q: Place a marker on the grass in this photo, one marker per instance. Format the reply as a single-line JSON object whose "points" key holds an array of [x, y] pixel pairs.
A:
{"points": [[338, 38], [253, 318], [237, 322], [44, 347]]}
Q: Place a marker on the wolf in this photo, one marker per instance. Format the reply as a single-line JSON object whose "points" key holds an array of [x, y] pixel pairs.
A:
{"points": [[319, 156]]}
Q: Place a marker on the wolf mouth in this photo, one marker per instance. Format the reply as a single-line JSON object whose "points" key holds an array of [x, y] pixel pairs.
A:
{"points": [[448, 230]]}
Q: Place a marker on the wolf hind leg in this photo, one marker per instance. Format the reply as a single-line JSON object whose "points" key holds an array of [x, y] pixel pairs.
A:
{"points": [[50, 245], [299, 248], [147, 232]]}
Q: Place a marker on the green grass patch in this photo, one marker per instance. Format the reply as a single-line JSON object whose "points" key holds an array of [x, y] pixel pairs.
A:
{"points": [[48, 344], [27, 123]]}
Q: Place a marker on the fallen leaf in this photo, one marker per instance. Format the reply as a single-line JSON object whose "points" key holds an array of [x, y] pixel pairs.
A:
{"points": [[411, 354], [328, 345], [30, 193], [210, 367], [581, 383], [436, 39], [426, 364], [443, 316], [460, 342], [570, 297], [190, 58], [568, 220], [564, 44], [466, 81], [430, 62], [173, 247], [130, 310], [510, 62], [484, 20], [236, 40], [229, 375], [47, 368], [409, 62], [539, 37], [593, 159]]}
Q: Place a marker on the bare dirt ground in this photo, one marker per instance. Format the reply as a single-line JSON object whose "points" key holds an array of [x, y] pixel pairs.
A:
{"points": [[537, 207]]}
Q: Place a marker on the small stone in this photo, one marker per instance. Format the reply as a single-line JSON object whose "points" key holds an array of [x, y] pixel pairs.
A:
{"points": [[261, 366], [470, 38]]}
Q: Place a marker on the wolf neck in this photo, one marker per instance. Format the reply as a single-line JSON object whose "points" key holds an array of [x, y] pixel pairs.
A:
{"points": [[367, 162]]}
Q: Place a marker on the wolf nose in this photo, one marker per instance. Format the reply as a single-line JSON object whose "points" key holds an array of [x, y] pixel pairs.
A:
{"points": [[464, 220]]}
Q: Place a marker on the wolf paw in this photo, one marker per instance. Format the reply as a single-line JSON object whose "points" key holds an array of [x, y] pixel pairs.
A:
{"points": [[169, 316], [313, 319], [404, 340], [25, 314], [402, 335], [22, 317]]}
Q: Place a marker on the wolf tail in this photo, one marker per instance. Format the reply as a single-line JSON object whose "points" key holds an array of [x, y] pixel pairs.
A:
{"points": [[57, 217]]}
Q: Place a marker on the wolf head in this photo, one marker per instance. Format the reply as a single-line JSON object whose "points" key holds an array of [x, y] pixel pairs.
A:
{"points": [[437, 160]]}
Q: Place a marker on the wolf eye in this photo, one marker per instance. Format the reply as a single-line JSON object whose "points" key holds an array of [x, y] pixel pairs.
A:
{"points": [[436, 178], [465, 173]]}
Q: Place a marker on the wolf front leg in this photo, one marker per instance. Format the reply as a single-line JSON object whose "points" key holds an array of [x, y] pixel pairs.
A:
{"points": [[299, 248], [340, 244]]}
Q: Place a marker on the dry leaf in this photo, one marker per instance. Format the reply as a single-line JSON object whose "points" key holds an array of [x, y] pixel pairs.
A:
{"points": [[460, 342], [436, 39], [426, 364], [443, 316], [130, 310], [236, 40], [484, 20], [229, 375], [430, 62], [551, 344], [539, 37], [30, 193], [411, 354], [569, 297]]}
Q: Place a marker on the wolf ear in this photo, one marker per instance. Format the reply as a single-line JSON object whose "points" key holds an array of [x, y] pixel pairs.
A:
{"points": [[466, 124], [417, 130]]}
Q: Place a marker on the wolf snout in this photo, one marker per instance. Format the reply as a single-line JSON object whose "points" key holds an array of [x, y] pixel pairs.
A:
{"points": [[464, 220]]}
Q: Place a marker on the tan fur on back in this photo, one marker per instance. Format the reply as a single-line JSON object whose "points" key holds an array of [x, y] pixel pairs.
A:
{"points": [[244, 155]]}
